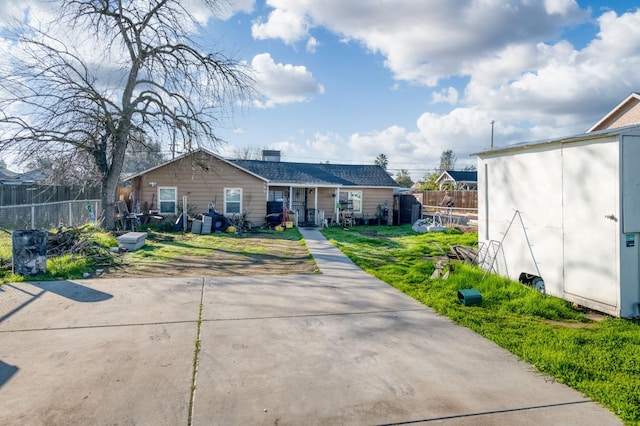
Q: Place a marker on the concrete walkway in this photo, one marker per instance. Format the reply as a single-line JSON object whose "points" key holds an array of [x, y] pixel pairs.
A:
{"points": [[339, 347]]}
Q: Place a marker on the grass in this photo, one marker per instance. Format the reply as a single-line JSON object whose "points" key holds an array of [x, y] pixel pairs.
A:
{"points": [[58, 268], [164, 247], [160, 247], [598, 358]]}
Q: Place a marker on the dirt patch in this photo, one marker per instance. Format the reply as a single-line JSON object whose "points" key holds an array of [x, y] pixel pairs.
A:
{"points": [[277, 257]]}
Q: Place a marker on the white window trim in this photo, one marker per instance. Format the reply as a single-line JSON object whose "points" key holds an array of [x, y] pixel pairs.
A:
{"points": [[360, 199], [175, 201], [349, 192], [225, 199]]}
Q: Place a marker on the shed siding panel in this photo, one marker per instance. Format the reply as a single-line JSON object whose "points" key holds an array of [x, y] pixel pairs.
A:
{"points": [[529, 182], [590, 193]]}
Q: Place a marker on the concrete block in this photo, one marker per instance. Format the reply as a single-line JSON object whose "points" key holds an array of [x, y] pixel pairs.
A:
{"points": [[132, 240]]}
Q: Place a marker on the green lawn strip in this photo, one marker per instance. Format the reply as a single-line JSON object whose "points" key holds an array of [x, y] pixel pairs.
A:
{"points": [[67, 266], [599, 359], [164, 247], [160, 247]]}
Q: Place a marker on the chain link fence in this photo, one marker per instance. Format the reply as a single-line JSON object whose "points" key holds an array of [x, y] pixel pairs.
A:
{"points": [[48, 215]]}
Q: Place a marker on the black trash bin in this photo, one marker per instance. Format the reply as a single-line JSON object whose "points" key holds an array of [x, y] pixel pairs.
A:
{"points": [[29, 252]]}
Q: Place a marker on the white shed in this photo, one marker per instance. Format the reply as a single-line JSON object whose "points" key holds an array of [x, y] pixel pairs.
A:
{"points": [[572, 210]]}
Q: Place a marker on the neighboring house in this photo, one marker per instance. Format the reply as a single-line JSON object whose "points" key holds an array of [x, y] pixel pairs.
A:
{"points": [[625, 113], [244, 186], [33, 177], [578, 225], [455, 179]]}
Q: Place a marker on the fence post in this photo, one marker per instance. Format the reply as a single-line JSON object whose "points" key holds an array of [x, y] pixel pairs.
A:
{"points": [[70, 213], [33, 216]]}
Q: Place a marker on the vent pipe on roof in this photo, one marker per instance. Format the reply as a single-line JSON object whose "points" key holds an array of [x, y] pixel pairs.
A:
{"points": [[270, 155]]}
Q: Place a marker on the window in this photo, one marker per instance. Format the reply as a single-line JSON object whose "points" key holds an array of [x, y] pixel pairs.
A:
{"points": [[276, 195], [355, 199], [168, 200], [232, 200]]}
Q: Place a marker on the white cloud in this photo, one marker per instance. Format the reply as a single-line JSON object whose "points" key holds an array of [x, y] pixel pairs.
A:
{"points": [[448, 95], [560, 7], [559, 87], [423, 44], [285, 22], [312, 44], [283, 83]]}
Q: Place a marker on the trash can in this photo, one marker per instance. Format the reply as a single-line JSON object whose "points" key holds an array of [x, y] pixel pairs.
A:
{"points": [[29, 252], [469, 296]]}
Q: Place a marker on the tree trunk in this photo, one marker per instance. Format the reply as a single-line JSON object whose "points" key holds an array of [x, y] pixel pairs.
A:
{"points": [[108, 199]]}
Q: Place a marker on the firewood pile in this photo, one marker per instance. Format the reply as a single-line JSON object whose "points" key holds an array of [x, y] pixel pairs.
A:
{"points": [[466, 254], [79, 243]]}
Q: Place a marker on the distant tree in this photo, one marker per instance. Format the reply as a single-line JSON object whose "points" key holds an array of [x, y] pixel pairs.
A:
{"points": [[403, 178], [382, 161], [470, 168], [74, 168], [142, 156], [428, 182], [249, 153], [447, 161]]}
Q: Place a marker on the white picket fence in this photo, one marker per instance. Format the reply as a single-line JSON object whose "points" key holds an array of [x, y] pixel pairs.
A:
{"points": [[49, 215]]}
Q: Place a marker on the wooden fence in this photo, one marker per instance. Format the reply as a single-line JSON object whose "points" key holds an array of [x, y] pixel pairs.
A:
{"points": [[13, 195], [461, 199]]}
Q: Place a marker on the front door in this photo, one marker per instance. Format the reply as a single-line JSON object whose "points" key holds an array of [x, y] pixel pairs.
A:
{"points": [[299, 203]]}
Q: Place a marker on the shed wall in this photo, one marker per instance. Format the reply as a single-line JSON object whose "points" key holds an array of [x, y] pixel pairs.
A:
{"points": [[568, 197], [530, 183], [590, 194]]}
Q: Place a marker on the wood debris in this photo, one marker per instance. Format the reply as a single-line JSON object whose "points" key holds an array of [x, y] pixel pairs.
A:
{"points": [[78, 242]]}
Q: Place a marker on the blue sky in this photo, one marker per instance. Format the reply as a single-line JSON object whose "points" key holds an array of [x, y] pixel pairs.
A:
{"points": [[343, 81]]}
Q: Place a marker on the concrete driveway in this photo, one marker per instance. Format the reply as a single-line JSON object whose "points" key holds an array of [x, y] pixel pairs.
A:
{"points": [[340, 347]]}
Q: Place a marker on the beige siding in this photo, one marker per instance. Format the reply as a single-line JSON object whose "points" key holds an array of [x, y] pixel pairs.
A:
{"points": [[629, 114], [371, 199], [203, 178], [327, 202]]}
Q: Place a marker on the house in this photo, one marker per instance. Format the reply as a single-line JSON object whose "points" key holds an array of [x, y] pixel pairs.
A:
{"points": [[625, 113], [313, 191], [568, 210], [456, 179]]}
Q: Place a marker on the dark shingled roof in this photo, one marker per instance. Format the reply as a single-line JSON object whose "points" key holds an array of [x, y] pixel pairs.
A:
{"points": [[318, 174], [463, 176]]}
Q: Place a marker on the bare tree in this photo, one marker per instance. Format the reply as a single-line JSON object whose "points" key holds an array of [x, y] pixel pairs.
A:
{"points": [[75, 169], [248, 153], [60, 98]]}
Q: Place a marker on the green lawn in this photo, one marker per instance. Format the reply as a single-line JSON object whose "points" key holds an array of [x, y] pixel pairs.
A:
{"points": [[598, 358]]}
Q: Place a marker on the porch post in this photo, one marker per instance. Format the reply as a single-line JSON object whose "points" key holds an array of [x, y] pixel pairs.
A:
{"points": [[316, 212], [336, 210], [290, 198]]}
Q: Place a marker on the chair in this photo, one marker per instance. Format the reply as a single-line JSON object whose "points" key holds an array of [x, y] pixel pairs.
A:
{"points": [[346, 218], [124, 217]]}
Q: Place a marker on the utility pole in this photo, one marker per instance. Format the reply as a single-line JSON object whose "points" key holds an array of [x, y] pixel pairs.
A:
{"points": [[492, 123]]}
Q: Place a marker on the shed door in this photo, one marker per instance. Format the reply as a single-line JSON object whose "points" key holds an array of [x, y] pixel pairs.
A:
{"points": [[590, 192]]}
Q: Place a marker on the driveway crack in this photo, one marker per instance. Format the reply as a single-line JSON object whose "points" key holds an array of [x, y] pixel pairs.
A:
{"points": [[196, 358]]}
